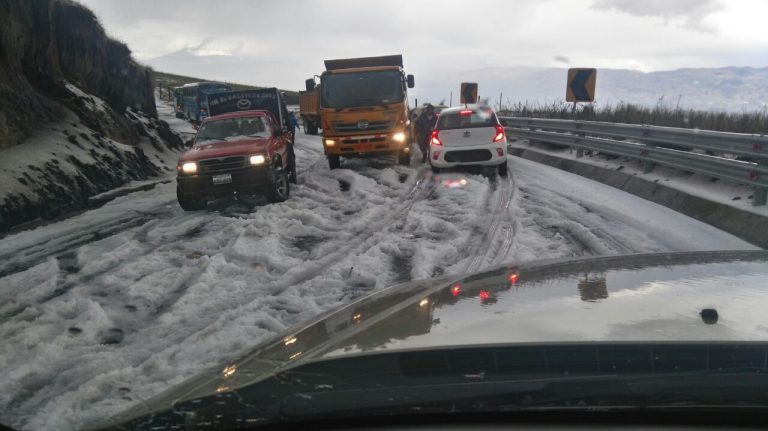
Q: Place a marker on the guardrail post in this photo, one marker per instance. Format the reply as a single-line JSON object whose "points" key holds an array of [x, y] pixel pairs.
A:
{"points": [[647, 166], [579, 148], [759, 196], [531, 129]]}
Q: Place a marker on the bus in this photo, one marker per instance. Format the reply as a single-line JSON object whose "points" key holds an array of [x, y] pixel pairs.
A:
{"points": [[195, 98], [178, 102]]}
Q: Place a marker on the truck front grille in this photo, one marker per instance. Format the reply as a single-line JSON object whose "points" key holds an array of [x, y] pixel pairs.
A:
{"points": [[221, 164], [373, 126]]}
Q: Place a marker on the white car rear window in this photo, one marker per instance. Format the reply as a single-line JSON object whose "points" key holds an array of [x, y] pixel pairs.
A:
{"points": [[466, 120]]}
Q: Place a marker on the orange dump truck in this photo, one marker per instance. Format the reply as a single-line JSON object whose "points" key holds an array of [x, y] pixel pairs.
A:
{"points": [[309, 109], [364, 108]]}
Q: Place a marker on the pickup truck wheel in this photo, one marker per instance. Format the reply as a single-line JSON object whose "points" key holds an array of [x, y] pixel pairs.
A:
{"points": [[188, 203], [279, 189], [435, 169], [334, 162], [503, 169]]}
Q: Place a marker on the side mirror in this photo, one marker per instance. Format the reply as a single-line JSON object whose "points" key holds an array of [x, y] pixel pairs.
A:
{"points": [[310, 84], [411, 81]]}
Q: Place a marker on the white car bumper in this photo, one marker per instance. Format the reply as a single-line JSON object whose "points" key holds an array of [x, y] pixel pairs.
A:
{"points": [[475, 155]]}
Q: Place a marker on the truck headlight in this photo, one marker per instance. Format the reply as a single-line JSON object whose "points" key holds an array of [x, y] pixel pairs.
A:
{"points": [[399, 137], [330, 142], [258, 159], [189, 167]]}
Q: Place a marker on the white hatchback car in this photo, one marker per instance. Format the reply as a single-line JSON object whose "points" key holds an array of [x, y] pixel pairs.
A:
{"points": [[468, 135]]}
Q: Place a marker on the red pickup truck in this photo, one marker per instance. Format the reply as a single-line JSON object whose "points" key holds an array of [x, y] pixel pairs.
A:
{"points": [[237, 153]]}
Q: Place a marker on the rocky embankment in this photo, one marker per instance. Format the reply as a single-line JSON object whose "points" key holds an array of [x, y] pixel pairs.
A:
{"points": [[77, 113]]}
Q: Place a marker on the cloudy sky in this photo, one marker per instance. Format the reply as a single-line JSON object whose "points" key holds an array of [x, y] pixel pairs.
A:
{"points": [[282, 42]]}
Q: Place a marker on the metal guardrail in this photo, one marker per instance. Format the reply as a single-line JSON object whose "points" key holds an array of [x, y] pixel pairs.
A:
{"points": [[666, 146]]}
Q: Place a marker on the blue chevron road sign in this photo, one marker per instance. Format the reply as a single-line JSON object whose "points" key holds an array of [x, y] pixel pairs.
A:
{"points": [[581, 85]]}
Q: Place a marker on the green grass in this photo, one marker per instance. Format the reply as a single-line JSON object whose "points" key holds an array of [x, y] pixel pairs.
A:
{"points": [[660, 115], [169, 80]]}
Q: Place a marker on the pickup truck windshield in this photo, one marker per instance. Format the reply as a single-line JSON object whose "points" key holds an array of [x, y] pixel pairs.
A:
{"points": [[344, 90], [233, 129]]}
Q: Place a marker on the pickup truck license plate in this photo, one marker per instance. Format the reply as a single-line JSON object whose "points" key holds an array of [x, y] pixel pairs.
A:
{"points": [[364, 147], [222, 179]]}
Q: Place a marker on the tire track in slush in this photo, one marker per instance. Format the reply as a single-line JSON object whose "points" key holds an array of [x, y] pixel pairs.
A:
{"points": [[586, 237], [500, 232], [421, 189]]}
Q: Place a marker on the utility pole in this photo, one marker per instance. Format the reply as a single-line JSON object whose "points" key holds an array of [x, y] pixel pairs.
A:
{"points": [[500, 93], [451, 102]]}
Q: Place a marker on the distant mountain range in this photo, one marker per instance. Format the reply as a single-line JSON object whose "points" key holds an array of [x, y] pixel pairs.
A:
{"points": [[719, 89], [734, 89]]}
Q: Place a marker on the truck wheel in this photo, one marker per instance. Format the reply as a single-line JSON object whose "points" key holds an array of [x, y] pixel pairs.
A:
{"points": [[503, 169], [334, 162], [313, 129], [404, 158], [279, 189], [188, 203], [306, 125]]}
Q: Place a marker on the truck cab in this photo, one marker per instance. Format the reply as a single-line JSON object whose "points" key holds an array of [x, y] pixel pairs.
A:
{"points": [[244, 149], [364, 108]]}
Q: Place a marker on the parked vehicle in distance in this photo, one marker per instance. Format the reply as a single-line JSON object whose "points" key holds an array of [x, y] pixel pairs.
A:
{"points": [[364, 108], [468, 135], [239, 153], [309, 110], [178, 102], [195, 98]]}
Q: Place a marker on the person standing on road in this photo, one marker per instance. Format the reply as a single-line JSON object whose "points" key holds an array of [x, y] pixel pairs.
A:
{"points": [[424, 125], [294, 123]]}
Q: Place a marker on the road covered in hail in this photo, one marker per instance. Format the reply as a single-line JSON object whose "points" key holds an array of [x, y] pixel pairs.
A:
{"points": [[109, 307]]}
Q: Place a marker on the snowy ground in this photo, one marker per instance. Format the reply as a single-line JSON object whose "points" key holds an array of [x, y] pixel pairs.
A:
{"points": [[725, 192], [109, 307]]}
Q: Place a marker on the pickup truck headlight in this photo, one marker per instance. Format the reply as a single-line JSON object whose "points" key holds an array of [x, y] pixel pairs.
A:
{"points": [[258, 159], [399, 137], [189, 167]]}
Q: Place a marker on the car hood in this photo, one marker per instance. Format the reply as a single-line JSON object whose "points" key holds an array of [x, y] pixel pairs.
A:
{"points": [[214, 149], [671, 297]]}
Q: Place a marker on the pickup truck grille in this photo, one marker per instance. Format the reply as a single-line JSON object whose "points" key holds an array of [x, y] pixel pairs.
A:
{"points": [[373, 126], [221, 164]]}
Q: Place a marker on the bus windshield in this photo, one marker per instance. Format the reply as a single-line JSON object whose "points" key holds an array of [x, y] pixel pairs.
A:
{"points": [[212, 90], [344, 90]]}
